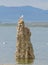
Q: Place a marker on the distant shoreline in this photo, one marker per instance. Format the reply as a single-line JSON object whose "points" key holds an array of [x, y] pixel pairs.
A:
{"points": [[32, 24]]}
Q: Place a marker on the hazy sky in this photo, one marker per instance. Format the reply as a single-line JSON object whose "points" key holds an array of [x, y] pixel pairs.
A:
{"points": [[43, 4]]}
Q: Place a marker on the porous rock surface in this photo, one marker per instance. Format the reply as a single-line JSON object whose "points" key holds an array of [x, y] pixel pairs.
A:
{"points": [[24, 48]]}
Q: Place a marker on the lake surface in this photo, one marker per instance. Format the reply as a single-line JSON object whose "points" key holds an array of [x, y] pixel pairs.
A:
{"points": [[39, 41]]}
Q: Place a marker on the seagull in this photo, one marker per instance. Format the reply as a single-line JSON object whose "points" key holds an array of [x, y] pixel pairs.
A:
{"points": [[21, 17]]}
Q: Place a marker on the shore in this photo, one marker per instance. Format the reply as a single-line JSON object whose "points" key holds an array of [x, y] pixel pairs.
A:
{"points": [[30, 24]]}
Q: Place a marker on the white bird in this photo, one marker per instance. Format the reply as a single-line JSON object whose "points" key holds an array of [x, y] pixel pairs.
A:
{"points": [[21, 17]]}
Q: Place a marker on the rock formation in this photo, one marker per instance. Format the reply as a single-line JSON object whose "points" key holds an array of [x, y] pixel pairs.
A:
{"points": [[24, 48]]}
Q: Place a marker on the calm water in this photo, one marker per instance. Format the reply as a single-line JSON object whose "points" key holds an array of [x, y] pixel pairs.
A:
{"points": [[39, 41]]}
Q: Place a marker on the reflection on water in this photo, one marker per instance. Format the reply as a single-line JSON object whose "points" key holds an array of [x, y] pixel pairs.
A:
{"points": [[24, 61]]}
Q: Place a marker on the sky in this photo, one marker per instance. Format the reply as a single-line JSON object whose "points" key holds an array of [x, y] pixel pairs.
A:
{"points": [[42, 4]]}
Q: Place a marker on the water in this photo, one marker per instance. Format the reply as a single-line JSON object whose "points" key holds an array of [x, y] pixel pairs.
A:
{"points": [[39, 41]]}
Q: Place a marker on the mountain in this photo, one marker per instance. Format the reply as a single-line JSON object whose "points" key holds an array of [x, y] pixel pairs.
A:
{"points": [[11, 14]]}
